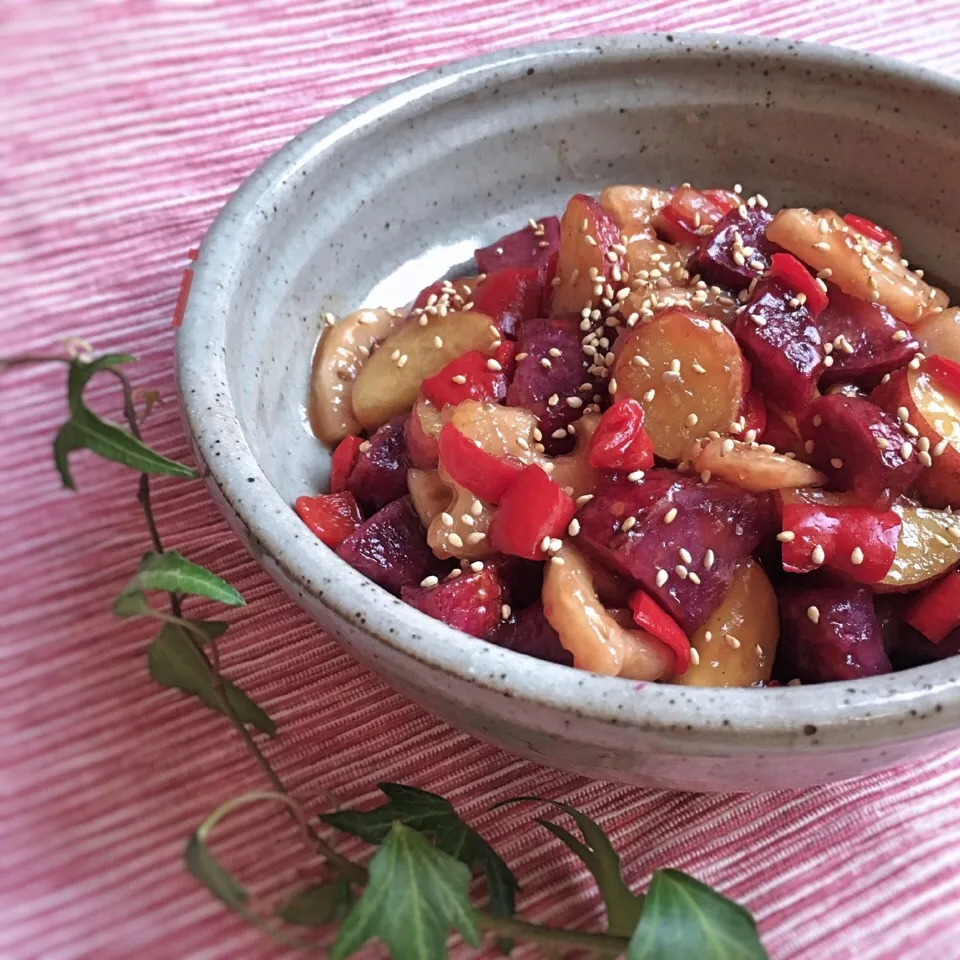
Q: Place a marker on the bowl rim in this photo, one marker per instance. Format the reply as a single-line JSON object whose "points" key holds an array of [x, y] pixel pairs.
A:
{"points": [[898, 706]]}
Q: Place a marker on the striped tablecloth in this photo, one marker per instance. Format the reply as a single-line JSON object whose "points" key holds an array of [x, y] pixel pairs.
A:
{"points": [[125, 125]]}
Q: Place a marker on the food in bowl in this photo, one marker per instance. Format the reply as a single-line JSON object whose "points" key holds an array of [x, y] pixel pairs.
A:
{"points": [[670, 436]]}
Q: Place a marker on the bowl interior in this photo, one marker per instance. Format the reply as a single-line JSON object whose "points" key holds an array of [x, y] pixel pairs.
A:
{"points": [[376, 202]]}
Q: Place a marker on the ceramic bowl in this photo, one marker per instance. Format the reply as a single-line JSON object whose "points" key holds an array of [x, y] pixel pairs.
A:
{"points": [[372, 203]]}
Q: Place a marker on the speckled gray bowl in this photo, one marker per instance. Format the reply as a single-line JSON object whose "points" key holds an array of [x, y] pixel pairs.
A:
{"points": [[372, 203]]}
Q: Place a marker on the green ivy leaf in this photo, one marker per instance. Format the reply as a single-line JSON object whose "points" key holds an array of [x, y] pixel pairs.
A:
{"points": [[207, 869], [174, 573], [318, 905], [131, 603], [175, 662], [623, 907], [686, 920], [415, 895], [430, 814], [86, 430]]}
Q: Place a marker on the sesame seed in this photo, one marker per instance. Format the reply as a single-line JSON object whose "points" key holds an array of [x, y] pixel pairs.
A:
{"points": [[589, 240], [817, 555], [694, 657], [467, 519], [697, 368], [454, 573], [821, 245], [808, 446], [823, 226], [900, 336], [557, 560], [923, 444], [707, 636], [429, 581], [685, 555], [553, 400], [708, 559], [828, 360], [545, 544], [635, 476], [732, 641], [554, 352], [911, 430], [681, 571], [446, 519], [940, 447], [882, 443], [559, 433], [670, 515], [505, 611], [365, 446], [716, 326], [459, 378], [906, 451], [586, 498], [640, 361], [455, 540], [544, 362], [493, 365], [612, 386], [574, 527], [395, 355], [786, 536], [914, 364], [692, 420], [856, 556], [705, 476], [726, 447], [521, 356], [817, 420], [925, 459], [836, 463], [814, 614], [628, 524], [662, 577], [402, 361], [649, 395], [759, 321], [476, 566]]}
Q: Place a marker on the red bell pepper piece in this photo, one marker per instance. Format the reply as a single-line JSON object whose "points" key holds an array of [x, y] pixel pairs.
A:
{"points": [[506, 356], [945, 371], [649, 616], [533, 507], [841, 532], [754, 411], [690, 209], [331, 516], [936, 611], [511, 296], [799, 279], [483, 474], [620, 442], [343, 461], [480, 382], [873, 231]]}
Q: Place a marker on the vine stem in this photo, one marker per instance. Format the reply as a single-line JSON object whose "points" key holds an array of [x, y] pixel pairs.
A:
{"points": [[602, 944]]}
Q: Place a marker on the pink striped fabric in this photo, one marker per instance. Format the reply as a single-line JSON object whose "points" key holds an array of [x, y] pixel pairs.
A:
{"points": [[126, 124]]}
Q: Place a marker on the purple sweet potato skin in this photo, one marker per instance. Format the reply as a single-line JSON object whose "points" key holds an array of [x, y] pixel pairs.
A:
{"points": [[846, 643], [844, 430], [713, 515], [530, 632], [869, 329], [785, 351], [391, 548], [523, 249], [380, 474], [534, 384], [713, 259], [469, 603]]}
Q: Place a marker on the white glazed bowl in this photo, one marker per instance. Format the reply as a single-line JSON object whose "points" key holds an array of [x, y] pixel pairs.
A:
{"points": [[372, 203]]}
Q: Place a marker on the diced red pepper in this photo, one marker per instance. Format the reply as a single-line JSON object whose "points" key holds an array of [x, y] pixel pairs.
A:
{"points": [[649, 616], [423, 297], [799, 279], [936, 611], [193, 253], [873, 231], [331, 516], [506, 356], [510, 296], [754, 411], [533, 507], [343, 461], [690, 209], [483, 474], [479, 381], [182, 295], [945, 371], [856, 541], [620, 442], [528, 247]]}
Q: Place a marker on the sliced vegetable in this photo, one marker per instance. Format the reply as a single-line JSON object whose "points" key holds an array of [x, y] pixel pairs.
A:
{"points": [[858, 542], [430, 495], [829, 633], [591, 633], [737, 644], [688, 373], [753, 412], [936, 611], [532, 509], [379, 475], [470, 603], [751, 466], [483, 474], [873, 231], [342, 462], [859, 446], [530, 632], [737, 252], [929, 546], [944, 372], [634, 207], [331, 516], [587, 235], [651, 617], [470, 376], [691, 211], [782, 342], [620, 442], [530, 247], [938, 332], [506, 356], [444, 296], [421, 432], [510, 296], [795, 276]]}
